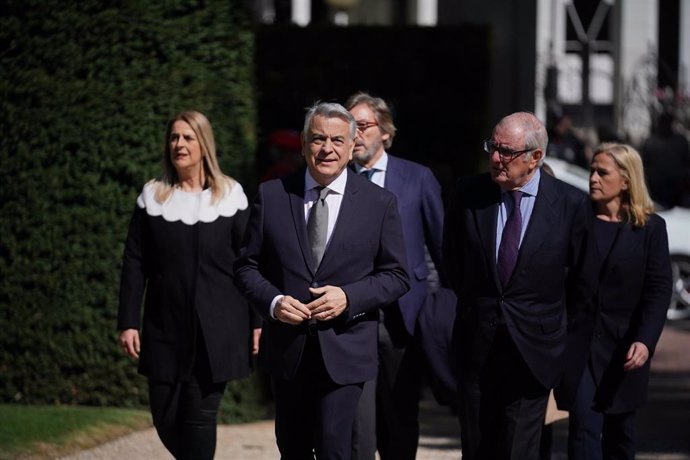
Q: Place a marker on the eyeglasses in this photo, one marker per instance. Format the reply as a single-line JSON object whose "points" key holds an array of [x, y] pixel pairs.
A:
{"points": [[364, 125], [507, 154]]}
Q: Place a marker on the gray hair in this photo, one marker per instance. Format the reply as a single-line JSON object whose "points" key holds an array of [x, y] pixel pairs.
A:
{"points": [[330, 110], [536, 136]]}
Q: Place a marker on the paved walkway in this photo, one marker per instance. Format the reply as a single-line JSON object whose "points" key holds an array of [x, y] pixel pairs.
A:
{"points": [[255, 441], [664, 424]]}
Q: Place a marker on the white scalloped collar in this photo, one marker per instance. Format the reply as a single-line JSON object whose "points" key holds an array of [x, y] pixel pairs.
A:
{"points": [[192, 207]]}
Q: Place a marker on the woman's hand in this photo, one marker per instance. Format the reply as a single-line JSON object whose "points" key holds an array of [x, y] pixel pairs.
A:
{"points": [[129, 341], [256, 335], [637, 356]]}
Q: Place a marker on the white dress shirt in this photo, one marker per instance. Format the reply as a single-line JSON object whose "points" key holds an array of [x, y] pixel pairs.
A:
{"points": [[336, 189], [379, 175]]}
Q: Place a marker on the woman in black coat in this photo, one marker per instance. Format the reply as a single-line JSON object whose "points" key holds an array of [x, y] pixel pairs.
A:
{"points": [[183, 238], [634, 293]]}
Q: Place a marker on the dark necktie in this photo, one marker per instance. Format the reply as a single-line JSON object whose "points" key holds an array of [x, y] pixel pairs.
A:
{"points": [[317, 226], [510, 241], [367, 173]]}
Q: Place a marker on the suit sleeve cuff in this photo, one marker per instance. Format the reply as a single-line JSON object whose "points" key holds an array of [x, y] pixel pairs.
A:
{"points": [[274, 302]]}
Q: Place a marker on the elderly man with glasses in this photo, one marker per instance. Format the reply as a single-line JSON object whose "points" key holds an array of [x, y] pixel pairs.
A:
{"points": [[517, 249]]}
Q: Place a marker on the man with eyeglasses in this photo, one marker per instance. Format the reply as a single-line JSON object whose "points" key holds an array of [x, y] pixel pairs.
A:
{"points": [[389, 406], [517, 249]]}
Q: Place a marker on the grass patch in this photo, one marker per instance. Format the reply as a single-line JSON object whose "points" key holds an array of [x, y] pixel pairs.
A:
{"points": [[42, 432]]}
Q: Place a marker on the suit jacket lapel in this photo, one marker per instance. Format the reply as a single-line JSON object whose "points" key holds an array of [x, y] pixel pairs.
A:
{"points": [[543, 216], [486, 215], [294, 185], [348, 208], [395, 176]]}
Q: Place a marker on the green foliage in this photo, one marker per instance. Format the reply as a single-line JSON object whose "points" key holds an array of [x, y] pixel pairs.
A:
{"points": [[28, 429], [245, 400], [85, 91]]}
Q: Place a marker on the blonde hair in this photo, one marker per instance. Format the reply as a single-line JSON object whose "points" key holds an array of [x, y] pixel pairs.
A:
{"points": [[636, 204], [218, 182]]}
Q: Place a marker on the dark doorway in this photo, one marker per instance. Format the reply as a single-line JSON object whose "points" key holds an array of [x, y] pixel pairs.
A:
{"points": [[669, 30], [435, 80]]}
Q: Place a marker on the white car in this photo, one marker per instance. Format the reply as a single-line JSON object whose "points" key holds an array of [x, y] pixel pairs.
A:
{"points": [[678, 227]]}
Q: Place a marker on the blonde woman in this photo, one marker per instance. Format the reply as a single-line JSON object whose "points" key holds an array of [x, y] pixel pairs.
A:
{"points": [[634, 292], [183, 239]]}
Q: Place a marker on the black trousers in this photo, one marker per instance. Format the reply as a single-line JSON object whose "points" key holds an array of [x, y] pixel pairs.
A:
{"points": [[595, 435], [388, 411], [501, 407], [314, 414], [185, 412], [398, 389]]}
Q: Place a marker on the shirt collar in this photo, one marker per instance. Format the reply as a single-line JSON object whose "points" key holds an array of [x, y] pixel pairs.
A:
{"points": [[532, 186], [337, 186], [380, 165]]}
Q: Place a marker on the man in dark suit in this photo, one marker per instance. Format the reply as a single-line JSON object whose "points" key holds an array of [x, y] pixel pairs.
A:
{"points": [[389, 407], [518, 249], [323, 251]]}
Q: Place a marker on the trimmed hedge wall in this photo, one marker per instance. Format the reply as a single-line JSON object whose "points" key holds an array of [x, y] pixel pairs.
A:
{"points": [[85, 90]]}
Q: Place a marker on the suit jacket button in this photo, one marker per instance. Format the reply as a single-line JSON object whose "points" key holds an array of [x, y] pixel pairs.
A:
{"points": [[314, 284], [492, 324]]}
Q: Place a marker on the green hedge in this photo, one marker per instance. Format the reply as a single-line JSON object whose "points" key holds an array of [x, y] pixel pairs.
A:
{"points": [[85, 90]]}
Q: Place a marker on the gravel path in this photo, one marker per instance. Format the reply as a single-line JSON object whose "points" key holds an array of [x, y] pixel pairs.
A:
{"points": [[251, 441], [256, 441], [439, 438], [235, 442]]}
